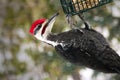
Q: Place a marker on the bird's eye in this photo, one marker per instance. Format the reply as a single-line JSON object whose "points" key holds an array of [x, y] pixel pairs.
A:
{"points": [[37, 29]]}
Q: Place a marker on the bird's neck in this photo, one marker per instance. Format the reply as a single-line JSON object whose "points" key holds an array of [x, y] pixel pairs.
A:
{"points": [[50, 39]]}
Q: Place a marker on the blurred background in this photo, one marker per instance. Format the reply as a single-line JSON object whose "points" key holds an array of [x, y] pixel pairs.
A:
{"points": [[22, 57]]}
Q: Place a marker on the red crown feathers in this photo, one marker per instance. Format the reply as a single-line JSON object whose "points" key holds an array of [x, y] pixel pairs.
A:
{"points": [[34, 24]]}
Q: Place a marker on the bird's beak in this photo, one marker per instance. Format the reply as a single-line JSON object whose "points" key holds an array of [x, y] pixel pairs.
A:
{"points": [[49, 24], [52, 19]]}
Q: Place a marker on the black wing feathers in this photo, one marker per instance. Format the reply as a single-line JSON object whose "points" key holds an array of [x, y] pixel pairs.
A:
{"points": [[88, 48]]}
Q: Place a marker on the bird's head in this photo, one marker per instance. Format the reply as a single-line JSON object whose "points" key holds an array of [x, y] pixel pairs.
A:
{"points": [[42, 27]]}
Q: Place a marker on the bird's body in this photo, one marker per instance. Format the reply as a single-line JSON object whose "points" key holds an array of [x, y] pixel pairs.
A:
{"points": [[84, 46], [87, 48]]}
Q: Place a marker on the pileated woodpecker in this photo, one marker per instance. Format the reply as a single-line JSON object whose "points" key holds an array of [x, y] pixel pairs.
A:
{"points": [[85, 47]]}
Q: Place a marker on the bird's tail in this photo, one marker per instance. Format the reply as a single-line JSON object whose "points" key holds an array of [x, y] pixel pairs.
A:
{"points": [[112, 59]]}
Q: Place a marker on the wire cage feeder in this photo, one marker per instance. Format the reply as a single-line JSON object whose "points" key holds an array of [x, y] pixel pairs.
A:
{"points": [[74, 7]]}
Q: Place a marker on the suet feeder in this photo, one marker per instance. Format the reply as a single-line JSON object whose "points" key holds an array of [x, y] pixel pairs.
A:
{"points": [[74, 7]]}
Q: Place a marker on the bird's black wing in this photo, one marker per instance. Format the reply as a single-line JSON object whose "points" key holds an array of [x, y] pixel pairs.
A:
{"points": [[96, 45], [87, 42]]}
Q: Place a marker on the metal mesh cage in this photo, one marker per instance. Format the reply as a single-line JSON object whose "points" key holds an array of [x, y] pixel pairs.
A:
{"points": [[74, 7]]}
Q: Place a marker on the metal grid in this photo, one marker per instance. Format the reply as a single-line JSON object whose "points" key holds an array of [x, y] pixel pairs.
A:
{"points": [[74, 7]]}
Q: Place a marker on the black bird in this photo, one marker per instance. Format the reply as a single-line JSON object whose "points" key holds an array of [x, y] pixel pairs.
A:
{"points": [[85, 47]]}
